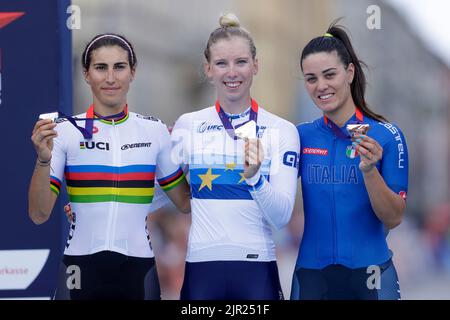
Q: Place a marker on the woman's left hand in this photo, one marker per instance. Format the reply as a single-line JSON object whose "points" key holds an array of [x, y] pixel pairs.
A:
{"points": [[253, 157], [370, 152]]}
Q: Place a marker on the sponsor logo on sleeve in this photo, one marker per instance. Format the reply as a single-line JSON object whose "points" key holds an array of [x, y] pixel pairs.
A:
{"points": [[291, 159], [399, 140]]}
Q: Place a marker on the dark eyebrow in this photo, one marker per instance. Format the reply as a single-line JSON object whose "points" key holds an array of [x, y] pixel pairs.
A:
{"points": [[103, 64], [324, 71], [329, 69]]}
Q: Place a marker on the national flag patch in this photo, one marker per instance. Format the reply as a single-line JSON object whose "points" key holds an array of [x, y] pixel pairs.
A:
{"points": [[351, 152]]}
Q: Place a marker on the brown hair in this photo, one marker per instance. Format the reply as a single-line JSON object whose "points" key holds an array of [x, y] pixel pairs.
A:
{"points": [[106, 40], [336, 39]]}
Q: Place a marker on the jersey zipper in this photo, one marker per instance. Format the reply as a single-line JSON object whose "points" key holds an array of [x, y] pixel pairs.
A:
{"points": [[333, 205], [113, 204], [109, 227], [117, 165]]}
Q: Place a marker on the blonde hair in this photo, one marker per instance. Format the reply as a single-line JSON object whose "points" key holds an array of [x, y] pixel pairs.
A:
{"points": [[229, 27], [229, 20]]}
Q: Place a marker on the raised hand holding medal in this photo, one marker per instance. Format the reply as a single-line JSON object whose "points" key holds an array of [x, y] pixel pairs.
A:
{"points": [[369, 150], [253, 152]]}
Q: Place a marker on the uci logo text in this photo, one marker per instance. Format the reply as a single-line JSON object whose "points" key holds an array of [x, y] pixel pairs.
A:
{"points": [[94, 145]]}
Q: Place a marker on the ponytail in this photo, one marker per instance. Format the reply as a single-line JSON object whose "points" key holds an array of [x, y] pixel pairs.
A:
{"points": [[336, 39]]}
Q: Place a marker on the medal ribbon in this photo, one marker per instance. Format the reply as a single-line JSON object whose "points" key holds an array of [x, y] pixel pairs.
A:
{"points": [[227, 124], [338, 131], [90, 117]]}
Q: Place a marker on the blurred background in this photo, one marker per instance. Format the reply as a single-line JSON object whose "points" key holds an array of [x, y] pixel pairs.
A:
{"points": [[405, 44], [408, 82]]}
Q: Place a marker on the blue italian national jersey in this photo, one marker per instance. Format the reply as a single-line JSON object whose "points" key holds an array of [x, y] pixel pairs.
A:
{"points": [[340, 224]]}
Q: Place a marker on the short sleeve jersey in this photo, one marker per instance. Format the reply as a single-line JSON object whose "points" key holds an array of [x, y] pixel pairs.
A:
{"points": [[111, 180], [340, 224]]}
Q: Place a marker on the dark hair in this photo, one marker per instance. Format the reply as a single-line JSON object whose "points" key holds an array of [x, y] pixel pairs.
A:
{"points": [[229, 27], [108, 40], [336, 39]]}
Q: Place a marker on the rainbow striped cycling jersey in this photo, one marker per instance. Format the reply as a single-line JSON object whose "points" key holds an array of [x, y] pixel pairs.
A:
{"points": [[110, 181]]}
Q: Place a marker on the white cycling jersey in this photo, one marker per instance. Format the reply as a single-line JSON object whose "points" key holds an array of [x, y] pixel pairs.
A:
{"points": [[231, 216], [111, 181]]}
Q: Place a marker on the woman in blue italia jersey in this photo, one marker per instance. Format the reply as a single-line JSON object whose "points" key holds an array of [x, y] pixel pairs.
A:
{"points": [[354, 183]]}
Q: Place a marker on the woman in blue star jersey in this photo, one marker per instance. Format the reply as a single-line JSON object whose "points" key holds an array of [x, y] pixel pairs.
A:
{"points": [[240, 187]]}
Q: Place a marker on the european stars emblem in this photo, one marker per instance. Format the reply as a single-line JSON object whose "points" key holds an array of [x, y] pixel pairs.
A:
{"points": [[230, 166], [207, 179], [242, 177]]}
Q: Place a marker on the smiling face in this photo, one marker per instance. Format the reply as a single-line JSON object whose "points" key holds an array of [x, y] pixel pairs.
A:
{"points": [[231, 69], [328, 82], [109, 76]]}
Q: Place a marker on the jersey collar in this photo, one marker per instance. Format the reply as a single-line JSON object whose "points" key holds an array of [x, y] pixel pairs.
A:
{"points": [[233, 116], [117, 118]]}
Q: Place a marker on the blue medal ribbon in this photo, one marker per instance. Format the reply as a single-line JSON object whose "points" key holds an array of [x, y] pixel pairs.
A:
{"points": [[86, 131], [338, 131], [227, 124]]}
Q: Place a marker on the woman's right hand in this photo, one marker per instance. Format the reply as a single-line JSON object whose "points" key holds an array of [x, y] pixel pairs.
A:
{"points": [[42, 137]]}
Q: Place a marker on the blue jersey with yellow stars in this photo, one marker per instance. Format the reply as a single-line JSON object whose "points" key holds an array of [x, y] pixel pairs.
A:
{"points": [[232, 216]]}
